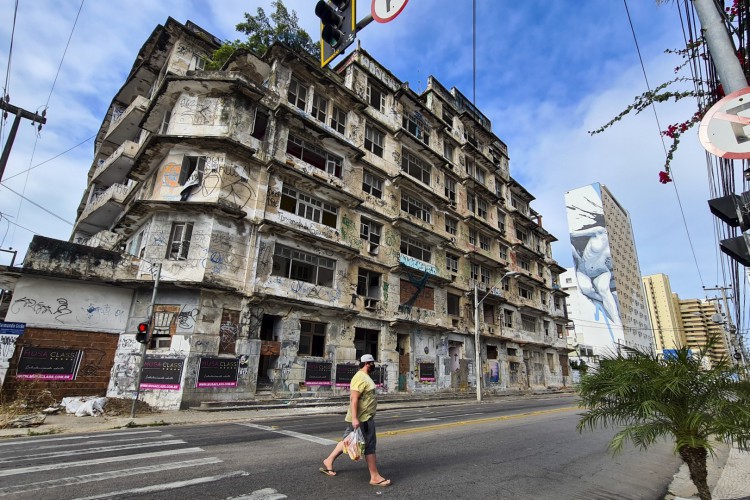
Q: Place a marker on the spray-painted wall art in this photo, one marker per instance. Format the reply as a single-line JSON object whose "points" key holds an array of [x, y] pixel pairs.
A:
{"points": [[593, 264]]}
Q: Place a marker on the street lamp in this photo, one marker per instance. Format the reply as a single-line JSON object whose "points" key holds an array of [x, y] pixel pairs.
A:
{"points": [[477, 303]]}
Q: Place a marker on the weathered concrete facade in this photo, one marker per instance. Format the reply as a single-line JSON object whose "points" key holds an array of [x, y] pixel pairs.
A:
{"points": [[304, 217]]}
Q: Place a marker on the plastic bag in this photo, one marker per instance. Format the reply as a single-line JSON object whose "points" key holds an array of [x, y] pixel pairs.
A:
{"points": [[354, 444]]}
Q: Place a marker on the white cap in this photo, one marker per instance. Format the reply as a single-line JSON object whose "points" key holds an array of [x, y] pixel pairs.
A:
{"points": [[367, 358]]}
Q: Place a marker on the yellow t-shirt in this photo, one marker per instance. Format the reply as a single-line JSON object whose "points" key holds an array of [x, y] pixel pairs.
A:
{"points": [[363, 384]]}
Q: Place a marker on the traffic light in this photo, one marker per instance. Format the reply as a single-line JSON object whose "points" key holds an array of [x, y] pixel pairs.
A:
{"points": [[338, 22], [143, 333], [733, 209]]}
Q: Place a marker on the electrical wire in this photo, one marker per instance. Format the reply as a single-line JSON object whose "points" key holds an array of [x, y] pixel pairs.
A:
{"points": [[6, 90], [36, 204], [50, 159], [663, 145]]}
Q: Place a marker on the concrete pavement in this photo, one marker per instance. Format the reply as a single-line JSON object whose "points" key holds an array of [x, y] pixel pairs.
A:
{"points": [[728, 471]]}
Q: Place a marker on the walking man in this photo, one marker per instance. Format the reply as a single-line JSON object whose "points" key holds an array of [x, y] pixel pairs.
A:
{"points": [[361, 414]]}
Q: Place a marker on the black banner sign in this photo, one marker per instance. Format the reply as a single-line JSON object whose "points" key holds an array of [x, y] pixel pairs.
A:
{"points": [[317, 373], [344, 374], [426, 372], [217, 372], [162, 373], [48, 364]]}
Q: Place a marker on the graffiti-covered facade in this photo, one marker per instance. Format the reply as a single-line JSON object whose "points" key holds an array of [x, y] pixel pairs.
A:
{"points": [[304, 217]]}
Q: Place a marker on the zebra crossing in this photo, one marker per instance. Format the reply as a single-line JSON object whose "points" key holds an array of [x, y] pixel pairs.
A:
{"points": [[97, 465]]}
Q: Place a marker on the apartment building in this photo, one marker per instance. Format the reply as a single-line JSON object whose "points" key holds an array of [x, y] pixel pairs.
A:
{"points": [[303, 217], [606, 300], [700, 320], [664, 313]]}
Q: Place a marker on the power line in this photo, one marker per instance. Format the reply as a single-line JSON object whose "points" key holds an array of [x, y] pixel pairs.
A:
{"points": [[35, 204], [661, 136], [7, 71], [50, 159]]}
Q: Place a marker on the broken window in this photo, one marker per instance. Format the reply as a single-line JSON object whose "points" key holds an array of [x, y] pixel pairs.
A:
{"points": [[308, 207], [191, 166], [312, 339], [370, 232], [374, 140], [315, 156], [303, 266], [179, 240], [366, 342]]}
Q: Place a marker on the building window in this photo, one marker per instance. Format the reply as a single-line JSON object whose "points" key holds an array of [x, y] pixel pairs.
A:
{"points": [[448, 151], [484, 242], [450, 189], [134, 246], [473, 235], [372, 184], [528, 323], [338, 120], [524, 264], [482, 208], [320, 108], [370, 232], [454, 304], [522, 236], [197, 63], [508, 322], [503, 253], [366, 342], [375, 96], [415, 248], [519, 205], [525, 292], [312, 339], [166, 117], [303, 266], [415, 166], [416, 207], [501, 221], [374, 140], [451, 225], [368, 286], [260, 126], [297, 94], [179, 240], [556, 302], [474, 171], [551, 361], [560, 333], [416, 126], [308, 207], [498, 187], [486, 275], [191, 165], [315, 156], [451, 263], [545, 325], [448, 116]]}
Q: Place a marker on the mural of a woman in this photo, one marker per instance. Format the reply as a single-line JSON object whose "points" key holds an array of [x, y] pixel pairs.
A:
{"points": [[593, 265]]}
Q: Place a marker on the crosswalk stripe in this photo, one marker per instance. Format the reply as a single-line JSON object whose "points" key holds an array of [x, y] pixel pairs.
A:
{"points": [[298, 435], [44, 440], [100, 449], [97, 461], [96, 441], [168, 486], [103, 476]]}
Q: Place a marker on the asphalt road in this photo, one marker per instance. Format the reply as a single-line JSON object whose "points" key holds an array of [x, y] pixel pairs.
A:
{"points": [[526, 449]]}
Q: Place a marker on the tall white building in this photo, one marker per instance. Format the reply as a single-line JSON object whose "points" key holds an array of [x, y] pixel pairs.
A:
{"points": [[607, 303]]}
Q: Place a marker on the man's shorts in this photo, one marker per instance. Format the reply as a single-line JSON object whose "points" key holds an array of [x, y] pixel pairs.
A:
{"points": [[368, 431]]}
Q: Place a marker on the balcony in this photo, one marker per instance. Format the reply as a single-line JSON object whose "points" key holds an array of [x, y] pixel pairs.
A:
{"points": [[103, 209], [126, 125], [115, 169]]}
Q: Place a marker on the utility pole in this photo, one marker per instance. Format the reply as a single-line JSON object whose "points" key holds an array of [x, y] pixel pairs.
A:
{"points": [[730, 331], [723, 52], [20, 113], [144, 346]]}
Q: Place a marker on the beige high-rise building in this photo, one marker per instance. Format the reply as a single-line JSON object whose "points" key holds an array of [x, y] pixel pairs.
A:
{"points": [[663, 312], [696, 318]]}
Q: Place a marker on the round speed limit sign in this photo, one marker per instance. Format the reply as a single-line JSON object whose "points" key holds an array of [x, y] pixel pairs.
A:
{"points": [[387, 10]]}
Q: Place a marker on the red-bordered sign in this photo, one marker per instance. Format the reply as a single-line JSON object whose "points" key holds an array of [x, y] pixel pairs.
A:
{"points": [[725, 130], [387, 10]]}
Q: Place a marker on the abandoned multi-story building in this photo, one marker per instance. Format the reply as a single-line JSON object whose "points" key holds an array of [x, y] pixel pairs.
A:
{"points": [[303, 217]]}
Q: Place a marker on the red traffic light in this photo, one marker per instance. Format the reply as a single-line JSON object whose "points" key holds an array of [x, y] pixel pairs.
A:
{"points": [[142, 333]]}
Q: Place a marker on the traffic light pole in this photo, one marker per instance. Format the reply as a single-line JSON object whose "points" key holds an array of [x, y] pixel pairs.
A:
{"points": [[144, 346]]}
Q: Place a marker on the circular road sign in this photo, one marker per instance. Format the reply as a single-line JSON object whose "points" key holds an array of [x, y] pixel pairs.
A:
{"points": [[725, 129], [387, 10]]}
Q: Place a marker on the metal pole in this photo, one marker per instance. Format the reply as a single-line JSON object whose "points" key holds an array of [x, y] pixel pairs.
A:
{"points": [[476, 342], [730, 330], [722, 49], [144, 346]]}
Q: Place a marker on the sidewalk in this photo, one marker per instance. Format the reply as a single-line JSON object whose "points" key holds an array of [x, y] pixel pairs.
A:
{"points": [[728, 472]]}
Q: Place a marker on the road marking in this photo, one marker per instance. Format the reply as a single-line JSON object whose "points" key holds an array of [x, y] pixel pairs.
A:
{"points": [[95, 441], [293, 434], [100, 449], [423, 420], [97, 461], [104, 476], [169, 486], [44, 440], [476, 421]]}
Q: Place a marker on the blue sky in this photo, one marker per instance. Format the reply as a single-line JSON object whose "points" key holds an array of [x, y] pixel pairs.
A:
{"points": [[547, 72]]}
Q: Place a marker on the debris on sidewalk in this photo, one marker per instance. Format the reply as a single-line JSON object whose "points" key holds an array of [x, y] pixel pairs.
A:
{"points": [[82, 406], [27, 421]]}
